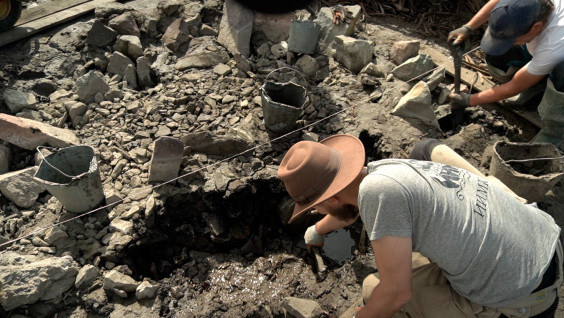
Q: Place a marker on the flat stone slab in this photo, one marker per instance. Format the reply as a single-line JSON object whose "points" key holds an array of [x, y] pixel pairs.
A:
{"points": [[20, 188], [30, 134], [166, 159]]}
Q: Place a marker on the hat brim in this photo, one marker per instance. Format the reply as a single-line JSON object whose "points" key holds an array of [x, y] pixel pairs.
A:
{"points": [[495, 46], [352, 162]]}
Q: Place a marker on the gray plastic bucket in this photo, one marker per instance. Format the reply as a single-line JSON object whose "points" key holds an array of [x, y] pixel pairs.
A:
{"points": [[529, 169], [282, 104], [71, 175], [303, 36]]}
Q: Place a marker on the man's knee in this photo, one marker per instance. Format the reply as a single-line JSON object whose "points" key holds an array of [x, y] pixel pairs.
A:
{"points": [[557, 77], [422, 150]]}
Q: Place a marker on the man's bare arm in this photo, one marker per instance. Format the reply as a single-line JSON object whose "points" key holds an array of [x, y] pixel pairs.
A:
{"points": [[482, 15], [393, 259], [522, 81]]}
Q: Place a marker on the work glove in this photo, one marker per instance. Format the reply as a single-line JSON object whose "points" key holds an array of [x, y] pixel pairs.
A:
{"points": [[458, 36], [312, 238], [459, 100]]}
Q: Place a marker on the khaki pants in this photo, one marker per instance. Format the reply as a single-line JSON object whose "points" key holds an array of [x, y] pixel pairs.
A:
{"points": [[433, 297]]}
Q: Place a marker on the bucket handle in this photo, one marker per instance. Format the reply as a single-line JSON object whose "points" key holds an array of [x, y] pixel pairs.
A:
{"points": [[534, 159], [285, 67], [48, 163]]}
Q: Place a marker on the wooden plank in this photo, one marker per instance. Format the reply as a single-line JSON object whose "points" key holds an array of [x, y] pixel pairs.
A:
{"points": [[46, 9], [476, 81], [33, 27]]}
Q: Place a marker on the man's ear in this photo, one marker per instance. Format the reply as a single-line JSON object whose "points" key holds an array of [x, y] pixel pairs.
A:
{"points": [[537, 26]]}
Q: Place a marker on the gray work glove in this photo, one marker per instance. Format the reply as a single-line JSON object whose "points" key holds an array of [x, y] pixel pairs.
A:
{"points": [[458, 36], [312, 238], [459, 100]]}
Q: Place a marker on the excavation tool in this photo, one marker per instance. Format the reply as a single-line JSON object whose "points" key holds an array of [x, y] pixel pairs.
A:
{"points": [[319, 264], [457, 113]]}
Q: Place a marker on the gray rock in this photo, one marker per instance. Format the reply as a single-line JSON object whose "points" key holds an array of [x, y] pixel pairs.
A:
{"points": [[207, 30], [54, 234], [100, 35], [401, 51], [215, 223], [437, 77], [116, 242], [76, 110], [202, 60], [280, 49], [105, 10], [129, 45], [222, 69], [352, 53], [329, 30], [308, 65], [302, 308], [45, 86], [144, 72], [90, 84], [29, 134], [414, 68], [32, 281], [20, 187], [208, 143], [125, 24], [376, 70], [86, 276], [166, 159], [177, 36], [130, 76], [115, 279], [236, 28], [36, 241], [17, 101], [146, 290], [122, 226], [119, 63], [5, 159], [417, 103]]}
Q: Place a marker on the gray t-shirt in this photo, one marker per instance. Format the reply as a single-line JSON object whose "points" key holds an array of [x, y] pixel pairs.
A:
{"points": [[492, 248]]}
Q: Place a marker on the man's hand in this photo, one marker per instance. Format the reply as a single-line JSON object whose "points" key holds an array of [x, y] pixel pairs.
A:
{"points": [[312, 238], [458, 36], [459, 100]]}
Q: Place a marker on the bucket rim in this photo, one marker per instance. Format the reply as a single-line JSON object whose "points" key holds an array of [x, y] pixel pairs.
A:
{"points": [[548, 177], [44, 160], [288, 82]]}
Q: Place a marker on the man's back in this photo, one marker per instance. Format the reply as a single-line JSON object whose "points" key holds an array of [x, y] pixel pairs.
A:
{"points": [[492, 248], [547, 48]]}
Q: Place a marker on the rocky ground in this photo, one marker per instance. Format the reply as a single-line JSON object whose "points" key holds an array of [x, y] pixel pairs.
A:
{"points": [[168, 89]]}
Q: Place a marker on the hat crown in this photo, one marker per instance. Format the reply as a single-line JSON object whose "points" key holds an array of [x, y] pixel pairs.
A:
{"points": [[513, 18], [308, 169]]}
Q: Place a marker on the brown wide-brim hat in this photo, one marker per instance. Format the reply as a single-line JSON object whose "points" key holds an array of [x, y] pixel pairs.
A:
{"points": [[316, 171]]}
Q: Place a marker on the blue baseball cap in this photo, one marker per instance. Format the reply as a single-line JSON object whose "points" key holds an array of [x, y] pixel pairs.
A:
{"points": [[508, 20]]}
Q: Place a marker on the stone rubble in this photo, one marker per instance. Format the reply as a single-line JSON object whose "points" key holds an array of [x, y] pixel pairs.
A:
{"points": [[172, 90]]}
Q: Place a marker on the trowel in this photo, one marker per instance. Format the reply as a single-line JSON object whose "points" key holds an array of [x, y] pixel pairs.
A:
{"points": [[319, 264]]}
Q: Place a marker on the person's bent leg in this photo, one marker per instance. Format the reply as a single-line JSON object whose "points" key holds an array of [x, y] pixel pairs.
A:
{"points": [[503, 67], [422, 150], [432, 295], [436, 151], [557, 77]]}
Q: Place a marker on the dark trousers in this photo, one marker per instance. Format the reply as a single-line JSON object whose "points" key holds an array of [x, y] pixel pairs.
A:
{"points": [[547, 279], [519, 56], [422, 151]]}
